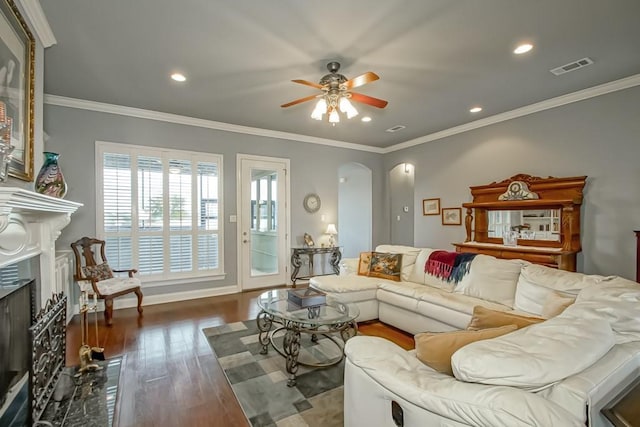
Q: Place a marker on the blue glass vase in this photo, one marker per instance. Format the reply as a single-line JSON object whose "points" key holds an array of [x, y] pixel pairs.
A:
{"points": [[50, 180]]}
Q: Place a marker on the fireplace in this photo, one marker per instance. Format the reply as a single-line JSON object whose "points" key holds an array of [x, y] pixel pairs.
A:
{"points": [[30, 224], [16, 317]]}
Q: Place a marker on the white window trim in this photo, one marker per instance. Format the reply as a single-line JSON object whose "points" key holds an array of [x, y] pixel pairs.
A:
{"points": [[165, 278]]}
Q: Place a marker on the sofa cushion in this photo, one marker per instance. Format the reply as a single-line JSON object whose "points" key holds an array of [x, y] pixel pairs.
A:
{"points": [[345, 284], [616, 301], [537, 356], [400, 373], [435, 348], [425, 300], [418, 275], [492, 279], [364, 263], [537, 282], [409, 255], [349, 266], [556, 303], [484, 318]]}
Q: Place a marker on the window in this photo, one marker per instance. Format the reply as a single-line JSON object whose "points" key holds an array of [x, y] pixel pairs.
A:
{"points": [[158, 210]]}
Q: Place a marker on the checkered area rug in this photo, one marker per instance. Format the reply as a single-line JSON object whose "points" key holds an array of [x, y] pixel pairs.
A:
{"points": [[260, 381]]}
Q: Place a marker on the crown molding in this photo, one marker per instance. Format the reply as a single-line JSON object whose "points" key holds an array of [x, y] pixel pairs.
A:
{"points": [[140, 113], [39, 22], [547, 104], [559, 101]]}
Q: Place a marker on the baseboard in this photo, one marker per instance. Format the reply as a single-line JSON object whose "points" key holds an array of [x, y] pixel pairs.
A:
{"points": [[132, 301]]}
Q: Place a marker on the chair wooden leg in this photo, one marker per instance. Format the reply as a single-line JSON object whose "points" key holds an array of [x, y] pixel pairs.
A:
{"points": [[108, 311], [139, 295]]}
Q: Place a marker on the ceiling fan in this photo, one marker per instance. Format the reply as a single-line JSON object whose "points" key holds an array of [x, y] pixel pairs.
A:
{"points": [[336, 93]]}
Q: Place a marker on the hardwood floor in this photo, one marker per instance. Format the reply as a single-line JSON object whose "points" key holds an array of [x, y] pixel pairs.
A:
{"points": [[171, 377]]}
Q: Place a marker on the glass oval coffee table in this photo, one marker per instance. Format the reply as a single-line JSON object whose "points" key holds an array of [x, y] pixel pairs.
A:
{"points": [[329, 319]]}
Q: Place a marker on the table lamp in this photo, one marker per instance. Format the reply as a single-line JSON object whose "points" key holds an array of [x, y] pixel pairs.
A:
{"points": [[331, 231]]}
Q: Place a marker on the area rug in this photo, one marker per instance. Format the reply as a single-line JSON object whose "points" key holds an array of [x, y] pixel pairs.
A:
{"points": [[260, 381]]}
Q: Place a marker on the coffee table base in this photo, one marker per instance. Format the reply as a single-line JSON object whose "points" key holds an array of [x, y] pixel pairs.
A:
{"points": [[291, 343]]}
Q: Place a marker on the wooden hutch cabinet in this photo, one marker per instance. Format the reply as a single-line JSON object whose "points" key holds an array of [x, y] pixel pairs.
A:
{"points": [[537, 218]]}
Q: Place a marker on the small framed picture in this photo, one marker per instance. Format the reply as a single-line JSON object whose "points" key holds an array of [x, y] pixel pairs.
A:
{"points": [[308, 240], [451, 216], [431, 206]]}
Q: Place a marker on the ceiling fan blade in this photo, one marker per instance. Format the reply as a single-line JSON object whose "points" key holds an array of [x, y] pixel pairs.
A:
{"points": [[376, 102], [362, 79], [299, 101], [308, 83]]}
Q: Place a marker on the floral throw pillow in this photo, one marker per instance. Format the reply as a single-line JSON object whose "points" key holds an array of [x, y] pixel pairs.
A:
{"points": [[98, 272], [364, 263], [385, 265]]}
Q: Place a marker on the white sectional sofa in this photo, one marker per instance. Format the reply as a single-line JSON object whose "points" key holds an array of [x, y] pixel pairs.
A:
{"points": [[560, 372]]}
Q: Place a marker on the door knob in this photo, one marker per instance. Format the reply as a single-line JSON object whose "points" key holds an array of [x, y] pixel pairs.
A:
{"points": [[245, 241]]}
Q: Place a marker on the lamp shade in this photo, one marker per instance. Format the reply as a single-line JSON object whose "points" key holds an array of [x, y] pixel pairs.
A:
{"points": [[331, 229]]}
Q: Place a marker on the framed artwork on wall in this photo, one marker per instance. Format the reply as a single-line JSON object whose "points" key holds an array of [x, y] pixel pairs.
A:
{"points": [[431, 206], [451, 216], [17, 82]]}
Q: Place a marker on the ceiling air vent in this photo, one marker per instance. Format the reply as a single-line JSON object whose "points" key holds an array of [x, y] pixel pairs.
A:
{"points": [[572, 66], [395, 128]]}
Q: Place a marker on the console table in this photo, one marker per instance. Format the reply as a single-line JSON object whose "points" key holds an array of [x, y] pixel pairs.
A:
{"points": [[296, 262]]}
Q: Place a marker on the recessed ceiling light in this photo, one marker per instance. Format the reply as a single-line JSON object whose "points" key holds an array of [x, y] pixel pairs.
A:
{"points": [[475, 110], [523, 48], [178, 77], [366, 119]]}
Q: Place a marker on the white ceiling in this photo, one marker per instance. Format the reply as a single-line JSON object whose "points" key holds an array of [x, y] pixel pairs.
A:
{"points": [[435, 58]]}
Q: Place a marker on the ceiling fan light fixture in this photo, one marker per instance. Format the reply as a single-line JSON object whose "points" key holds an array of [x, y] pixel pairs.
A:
{"points": [[319, 110], [347, 108], [334, 117]]}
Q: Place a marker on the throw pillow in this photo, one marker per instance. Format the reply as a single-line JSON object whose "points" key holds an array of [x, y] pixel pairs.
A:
{"points": [[492, 279], [385, 266], [536, 282], [435, 349], [364, 263], [536, 357], [484, 318], [555, 304], [98, 272]]}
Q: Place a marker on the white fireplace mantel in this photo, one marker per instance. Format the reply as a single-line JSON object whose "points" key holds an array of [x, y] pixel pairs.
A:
{"points": [[30, 224]]}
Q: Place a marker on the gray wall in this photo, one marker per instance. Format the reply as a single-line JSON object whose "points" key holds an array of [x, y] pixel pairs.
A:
{"points": [[314, 168], [597, 137], [354, 209], [401, 194]]}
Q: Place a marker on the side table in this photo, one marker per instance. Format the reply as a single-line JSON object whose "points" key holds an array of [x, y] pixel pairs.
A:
{"points": [[296, 262]]}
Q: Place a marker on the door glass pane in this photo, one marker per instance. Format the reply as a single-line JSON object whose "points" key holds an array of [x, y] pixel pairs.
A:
{"points": [[264, 233]]}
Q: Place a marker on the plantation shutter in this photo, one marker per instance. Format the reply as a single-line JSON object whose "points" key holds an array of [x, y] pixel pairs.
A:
{"points": [[161, 211]]}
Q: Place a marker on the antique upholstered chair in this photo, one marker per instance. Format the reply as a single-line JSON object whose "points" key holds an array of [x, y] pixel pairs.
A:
{"points": [[97, 278]]}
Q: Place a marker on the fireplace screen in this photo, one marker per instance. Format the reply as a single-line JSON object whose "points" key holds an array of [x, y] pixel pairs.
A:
{"points": [[48, 336]]}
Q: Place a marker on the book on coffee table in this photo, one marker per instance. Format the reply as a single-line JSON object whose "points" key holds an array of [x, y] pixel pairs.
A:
{"points": [[306, 297]]}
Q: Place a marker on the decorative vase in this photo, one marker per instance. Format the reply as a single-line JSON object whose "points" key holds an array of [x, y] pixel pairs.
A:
{"points": [[50, 180]]}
